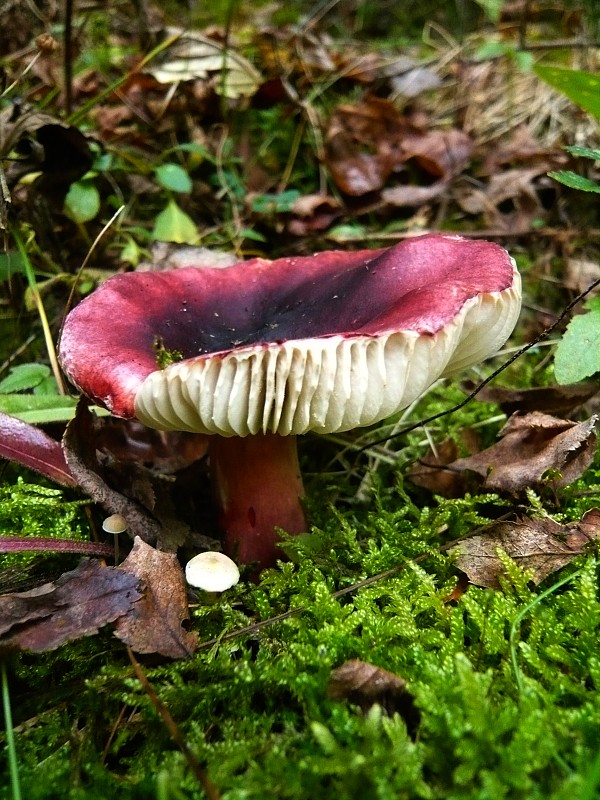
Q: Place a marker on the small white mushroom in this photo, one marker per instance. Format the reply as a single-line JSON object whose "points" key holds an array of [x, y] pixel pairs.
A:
{"points": [[211, 571], [115, 524]]}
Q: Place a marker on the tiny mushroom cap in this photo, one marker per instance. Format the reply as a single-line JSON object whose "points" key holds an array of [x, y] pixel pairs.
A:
{"points": [[212, 571], [115, 524], [265, 350]]}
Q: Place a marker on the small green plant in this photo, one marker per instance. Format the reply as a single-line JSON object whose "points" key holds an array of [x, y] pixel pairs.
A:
{"points": [[578, 352]]}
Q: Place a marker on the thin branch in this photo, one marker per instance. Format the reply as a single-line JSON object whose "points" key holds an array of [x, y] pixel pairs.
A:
{"points": [[203, 779]]}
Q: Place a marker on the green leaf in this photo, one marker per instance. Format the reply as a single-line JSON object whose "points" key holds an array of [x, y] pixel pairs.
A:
{"points": [[174, 178], [38, 408], [174, 225], [275, 203], [23, 377], [11, 263], [82, 203], [492, 8], [578, 352], [574, 181], [131, 252], [585, 152], [583, 88]]}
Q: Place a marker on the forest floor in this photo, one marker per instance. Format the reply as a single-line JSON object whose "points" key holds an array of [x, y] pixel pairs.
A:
{"points": [[435, 635]]}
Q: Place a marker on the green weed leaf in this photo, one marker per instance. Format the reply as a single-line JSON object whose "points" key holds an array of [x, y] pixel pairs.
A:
{"points": [[10, 264], [174, 225], [82, 203], [574, 181], [583, 88], [584, 152], [24, 377], [578, 353], [174, 178], [38, 409]]}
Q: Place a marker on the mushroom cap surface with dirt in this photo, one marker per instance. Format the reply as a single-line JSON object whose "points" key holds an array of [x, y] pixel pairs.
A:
{"points": [[267, 350]]}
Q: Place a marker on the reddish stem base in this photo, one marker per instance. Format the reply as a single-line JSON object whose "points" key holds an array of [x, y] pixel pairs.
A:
{"points": [[258, 487]]}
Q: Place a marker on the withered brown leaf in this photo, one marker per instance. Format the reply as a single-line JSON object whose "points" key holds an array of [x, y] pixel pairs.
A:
{"points": [[155, 623], [547, 399], [540, 545], [529, 447], [365, 684], [77, 604], [429, 472]]}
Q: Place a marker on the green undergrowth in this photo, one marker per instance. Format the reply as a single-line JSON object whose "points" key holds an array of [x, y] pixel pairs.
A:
{"points": [[505, 683], [31, 509]]}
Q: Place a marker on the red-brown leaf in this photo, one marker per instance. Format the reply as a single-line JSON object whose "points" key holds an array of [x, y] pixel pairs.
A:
{"points": [[34, 449], [77, 604]]}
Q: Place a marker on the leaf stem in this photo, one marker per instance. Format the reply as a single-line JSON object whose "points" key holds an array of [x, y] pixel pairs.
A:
{"points": [[10, 736]]}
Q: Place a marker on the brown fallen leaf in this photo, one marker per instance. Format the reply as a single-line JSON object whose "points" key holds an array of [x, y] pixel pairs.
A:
{"points": [[540, 545], [430, 473], [364, 684], [547, 399], [529, 447], [155, 623], [45, 144], [77, 604], [369, 141], [510, 201]]}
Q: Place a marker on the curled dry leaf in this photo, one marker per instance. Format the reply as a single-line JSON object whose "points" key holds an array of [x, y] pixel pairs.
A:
{"points": [[540, 545], [529, 447], [547, 399], [510, 201], [155, 623], [77, 604], [58, 151], [430, 473], [192, 56], [369, 141], [365, 684]]}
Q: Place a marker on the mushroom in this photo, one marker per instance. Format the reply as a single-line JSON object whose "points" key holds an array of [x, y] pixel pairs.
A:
{"points": [[264, 351], [212, 571]]}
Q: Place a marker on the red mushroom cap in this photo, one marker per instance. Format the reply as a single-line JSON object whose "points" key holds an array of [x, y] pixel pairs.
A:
{"points": [[325, 342]]}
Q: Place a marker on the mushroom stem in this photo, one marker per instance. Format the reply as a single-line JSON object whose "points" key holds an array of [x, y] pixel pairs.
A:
{"points": [[258, 487]]}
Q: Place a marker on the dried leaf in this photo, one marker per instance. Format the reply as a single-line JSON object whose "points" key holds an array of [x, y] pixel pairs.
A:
{"points": [[510, 200], [547, 399], [60, 152], [443, 154], [540, 545], [369, 141], [364, 685], [155, 624], [429, 472], [530, 446], [196, 57], [77, 604], [34, 449], [362, 145]]}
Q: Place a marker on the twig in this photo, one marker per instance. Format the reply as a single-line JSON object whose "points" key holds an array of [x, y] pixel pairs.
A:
{"points": [[68, 56], [203, 779], [23, 544]]}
